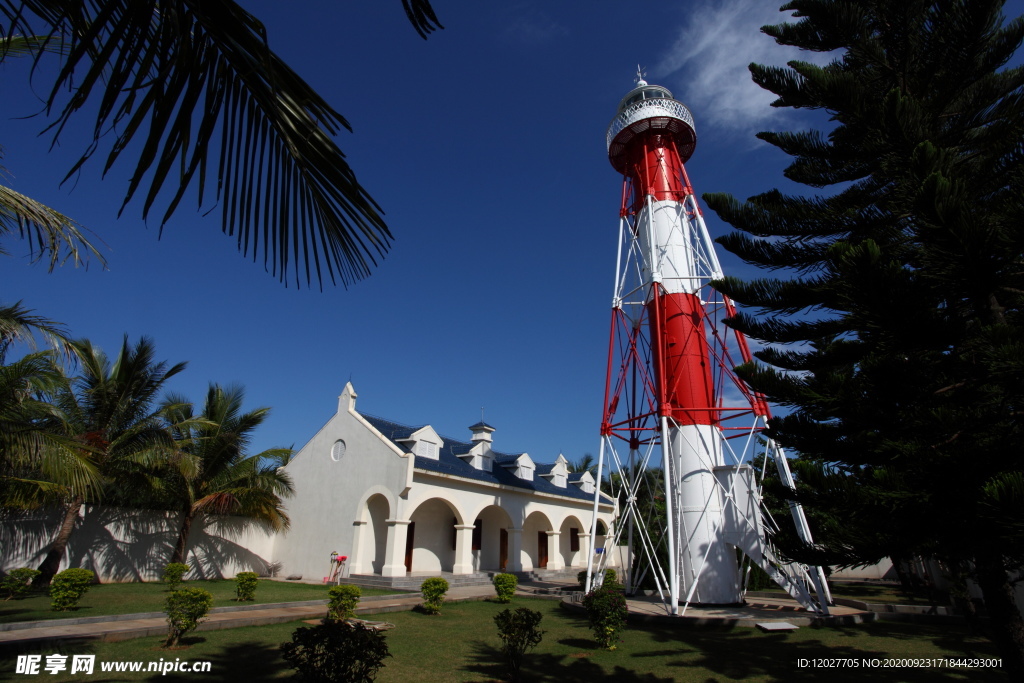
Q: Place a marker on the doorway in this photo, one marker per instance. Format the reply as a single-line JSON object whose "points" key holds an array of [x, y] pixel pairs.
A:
{"points": [[503, 550], [410, 543]]}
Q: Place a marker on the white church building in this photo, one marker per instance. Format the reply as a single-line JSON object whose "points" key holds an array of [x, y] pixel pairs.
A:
{"points": [[401, 500]]}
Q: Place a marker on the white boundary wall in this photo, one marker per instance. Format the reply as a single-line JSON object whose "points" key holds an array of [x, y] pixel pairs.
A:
{"points": [[135, 545]]}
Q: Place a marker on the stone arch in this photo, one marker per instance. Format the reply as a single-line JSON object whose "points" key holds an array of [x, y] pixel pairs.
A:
{"points": [[494, 523], [370, 532], [572, 542], [536, 546], [370, 542], [430, 542]]}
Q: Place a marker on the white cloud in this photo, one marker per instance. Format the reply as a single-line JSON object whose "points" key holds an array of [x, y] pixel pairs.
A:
{"points": [[706, 67], [531, 26]]}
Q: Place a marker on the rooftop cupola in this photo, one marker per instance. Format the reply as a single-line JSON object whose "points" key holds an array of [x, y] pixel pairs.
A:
{"points": [[481, 432]]}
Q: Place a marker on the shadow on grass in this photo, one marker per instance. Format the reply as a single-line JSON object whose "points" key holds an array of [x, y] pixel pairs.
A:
{"points": [[886, 593], [248, 661], [7, 613], [741, 654], [489, 661]]}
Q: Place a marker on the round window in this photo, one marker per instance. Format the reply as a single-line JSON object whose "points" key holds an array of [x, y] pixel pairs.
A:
{"points": [[338, 450]]}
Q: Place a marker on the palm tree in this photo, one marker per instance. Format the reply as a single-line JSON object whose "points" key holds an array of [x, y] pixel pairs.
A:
{"points": [[108, 414], [584, 464], [214, 475], [37, 462], [180, 76], [33, 452]]}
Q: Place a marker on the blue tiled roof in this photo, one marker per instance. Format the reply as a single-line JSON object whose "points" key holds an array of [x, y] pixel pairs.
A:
{"points": [[449, 462]]}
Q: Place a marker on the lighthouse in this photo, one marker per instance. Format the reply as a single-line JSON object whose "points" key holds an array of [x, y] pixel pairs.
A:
{"points": [[680, 432]]}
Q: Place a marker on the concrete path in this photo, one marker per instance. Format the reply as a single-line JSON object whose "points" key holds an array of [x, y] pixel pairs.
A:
{"points": [[122, 627]]}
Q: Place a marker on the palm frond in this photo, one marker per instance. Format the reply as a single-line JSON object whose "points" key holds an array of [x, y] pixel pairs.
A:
{"points": [[50, 234], [27, 46], [180, 77]]}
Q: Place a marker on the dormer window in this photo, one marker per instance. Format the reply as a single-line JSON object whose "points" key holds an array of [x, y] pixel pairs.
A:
{"points": [[524, 470], [426, 449], [558, 473], [521, 466], [424, 442], [585, 481]]}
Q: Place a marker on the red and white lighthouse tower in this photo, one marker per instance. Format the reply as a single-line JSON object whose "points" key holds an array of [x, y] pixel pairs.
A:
{"points": [[678, 424]]}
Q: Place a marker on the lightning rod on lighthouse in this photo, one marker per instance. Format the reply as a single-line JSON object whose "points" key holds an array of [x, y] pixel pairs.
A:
{"points": [[678, 425]]}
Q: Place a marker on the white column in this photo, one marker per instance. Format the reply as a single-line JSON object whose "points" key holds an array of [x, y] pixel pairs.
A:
{"points": [[555, 556], [586, 549], [394, 558], [515, 550], [463, 549], [358, 563]]}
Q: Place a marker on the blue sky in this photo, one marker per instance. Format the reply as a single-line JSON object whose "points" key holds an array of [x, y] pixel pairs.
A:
{"points": [[485, 147]]}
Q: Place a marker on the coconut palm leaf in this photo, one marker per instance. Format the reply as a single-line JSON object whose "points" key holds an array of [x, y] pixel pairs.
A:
{"points": [[27, 46], [50, 234], [20, 324], [38, 463], [180, 77]]}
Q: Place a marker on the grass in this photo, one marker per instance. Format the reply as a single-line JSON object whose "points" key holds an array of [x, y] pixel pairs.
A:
{"points": [[128, 598], [461, 644]]}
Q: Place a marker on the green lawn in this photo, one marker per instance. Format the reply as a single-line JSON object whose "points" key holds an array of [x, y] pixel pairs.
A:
{"points": [[461, 644], [127, 598]]}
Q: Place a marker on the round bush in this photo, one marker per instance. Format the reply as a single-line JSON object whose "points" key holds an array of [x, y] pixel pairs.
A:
{"points": [[173, 574], [343, 601], [336, 651], [606, 610], [185, 609], [245, 586], [68, 587], [505, 587], [518, 632], [433, 590], [17, 582]]}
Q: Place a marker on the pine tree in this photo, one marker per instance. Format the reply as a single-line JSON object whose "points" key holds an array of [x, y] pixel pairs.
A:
{"points": [[894, 320]]}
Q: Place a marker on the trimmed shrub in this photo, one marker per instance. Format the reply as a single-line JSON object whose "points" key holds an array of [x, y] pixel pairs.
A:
{"points": [[518, 633], [343, 601], [68, 587], [606, 610], [611, 579], [433, 590], [185, 609], [505, 587], [336, 651], [174, 573], [245, 586], [17, 582]]}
